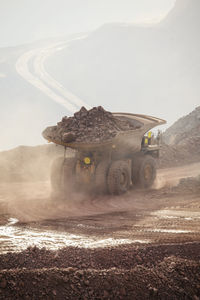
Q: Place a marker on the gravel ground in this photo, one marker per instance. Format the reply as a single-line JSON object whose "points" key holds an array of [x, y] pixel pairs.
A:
{"points": [[166, 267], [128, 272]]}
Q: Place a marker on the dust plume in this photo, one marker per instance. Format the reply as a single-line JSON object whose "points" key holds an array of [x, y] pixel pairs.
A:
{"points": [[171, 177]]}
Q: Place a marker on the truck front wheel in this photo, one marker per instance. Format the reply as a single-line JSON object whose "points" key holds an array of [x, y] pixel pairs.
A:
{"points": [[118, 179]]}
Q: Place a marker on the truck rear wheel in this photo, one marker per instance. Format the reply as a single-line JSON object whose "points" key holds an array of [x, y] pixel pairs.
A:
{"points": [[118, 179], [143, 171], [62, 176]]}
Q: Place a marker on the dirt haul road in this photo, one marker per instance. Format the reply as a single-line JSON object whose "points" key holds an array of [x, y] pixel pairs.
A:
{"points": [[143, 245]]}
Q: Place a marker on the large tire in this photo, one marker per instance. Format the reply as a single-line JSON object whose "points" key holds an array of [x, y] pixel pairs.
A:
{"points": [[118, 179], [143, 171], [101, 177], [62, 176]]}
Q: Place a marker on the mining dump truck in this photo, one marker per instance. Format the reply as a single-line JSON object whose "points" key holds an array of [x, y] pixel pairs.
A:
{"points": [[111, 166]]}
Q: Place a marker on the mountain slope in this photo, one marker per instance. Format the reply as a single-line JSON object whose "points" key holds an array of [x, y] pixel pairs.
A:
{"points": [[187, 12], [153, 70], [187, 127], [182, 141]]}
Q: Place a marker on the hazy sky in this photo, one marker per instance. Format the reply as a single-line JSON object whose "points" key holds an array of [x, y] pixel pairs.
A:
{"points": [[23, 21], [25, 110]]}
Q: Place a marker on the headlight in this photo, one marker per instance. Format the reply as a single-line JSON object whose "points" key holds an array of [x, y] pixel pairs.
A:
{"points": [[87, 160]]}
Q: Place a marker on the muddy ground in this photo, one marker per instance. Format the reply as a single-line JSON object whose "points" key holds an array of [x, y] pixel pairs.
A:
{"points": [[143, 245]]}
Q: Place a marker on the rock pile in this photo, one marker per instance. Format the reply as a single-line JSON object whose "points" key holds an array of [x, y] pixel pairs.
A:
{"points": [[190, 184], [94, 125], [126, 272]]}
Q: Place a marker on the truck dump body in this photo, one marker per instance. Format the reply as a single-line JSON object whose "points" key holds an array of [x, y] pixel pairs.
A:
{"points": [[129, 140]]}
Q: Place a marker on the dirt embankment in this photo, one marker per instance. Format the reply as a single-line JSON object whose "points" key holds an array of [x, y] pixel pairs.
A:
{"points": [[185, 128], [178, 155], [182, 141], [127, 272]]}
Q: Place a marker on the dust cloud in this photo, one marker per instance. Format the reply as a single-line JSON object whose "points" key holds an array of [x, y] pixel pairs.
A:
{"points": [[164, 182], [171, 177], [25, 191], [32, 201]]}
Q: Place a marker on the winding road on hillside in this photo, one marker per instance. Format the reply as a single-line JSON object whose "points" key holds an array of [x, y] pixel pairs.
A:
{"points": [[30, 66]]}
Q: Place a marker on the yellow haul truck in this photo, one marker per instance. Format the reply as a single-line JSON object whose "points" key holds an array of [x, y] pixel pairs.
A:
{"points": [[112, 166]]}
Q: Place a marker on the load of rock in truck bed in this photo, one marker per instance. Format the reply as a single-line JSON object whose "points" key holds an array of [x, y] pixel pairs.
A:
{"points": [[94, 125]]}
